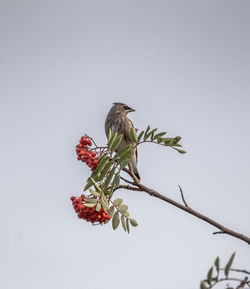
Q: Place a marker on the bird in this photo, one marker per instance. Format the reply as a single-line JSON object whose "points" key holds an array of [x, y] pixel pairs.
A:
{"points": [[117, 121]]}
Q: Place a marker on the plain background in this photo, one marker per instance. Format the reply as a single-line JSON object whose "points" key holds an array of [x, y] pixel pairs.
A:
{"points": [[185, 67]]}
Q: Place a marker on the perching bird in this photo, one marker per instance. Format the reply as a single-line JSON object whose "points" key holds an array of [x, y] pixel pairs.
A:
{"points": [[118, 121]]}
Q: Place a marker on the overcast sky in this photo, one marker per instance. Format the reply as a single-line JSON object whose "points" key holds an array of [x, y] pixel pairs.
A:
{"points": [[184, 66]]}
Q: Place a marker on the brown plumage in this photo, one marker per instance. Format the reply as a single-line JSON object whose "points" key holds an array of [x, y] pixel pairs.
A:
{"points": [[118, 121]]}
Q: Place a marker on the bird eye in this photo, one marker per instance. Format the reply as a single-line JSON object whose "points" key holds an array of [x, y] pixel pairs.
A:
{"points": [[126, 107]]}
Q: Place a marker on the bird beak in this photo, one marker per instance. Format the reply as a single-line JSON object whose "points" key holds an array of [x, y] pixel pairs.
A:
{"points": [[131, 110]]}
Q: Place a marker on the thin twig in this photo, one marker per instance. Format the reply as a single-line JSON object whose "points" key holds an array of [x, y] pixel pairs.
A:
{"points": [[237, 270], [182, 196], [219, 232]]}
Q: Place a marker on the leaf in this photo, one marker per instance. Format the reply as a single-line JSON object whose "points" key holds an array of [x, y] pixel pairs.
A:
{"points": [[105, 170], [116, 182], [181, 151], [209, 276], [133, 135], [167, 141], [116, 143], [105, 206], [153, 132], [115, 221], [146, 132], [123, 149], [125, 155], [95, 184], [127, 225], [133, 222], [88, 185], [124, 223], [98, 207], [109, 134], [203, 285], [95, 194], [161, 134], [124, 164], [112, 140], [217, 264], [102, 162], [177, 139], [110, 211], [123, 208], [88, 200], [89, 205], [109, 177], [117, 202], [229, 264], [140, 135], [126, 214], [149, 134]]}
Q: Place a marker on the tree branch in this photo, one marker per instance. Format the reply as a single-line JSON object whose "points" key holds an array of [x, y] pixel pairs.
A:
{"points": [[185, 208]]}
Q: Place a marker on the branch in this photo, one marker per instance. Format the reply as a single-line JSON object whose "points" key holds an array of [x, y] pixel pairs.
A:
{"points": [[185, 208]]}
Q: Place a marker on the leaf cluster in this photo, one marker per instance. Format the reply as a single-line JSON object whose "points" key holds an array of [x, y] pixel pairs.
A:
{"points": [[213, 275]]}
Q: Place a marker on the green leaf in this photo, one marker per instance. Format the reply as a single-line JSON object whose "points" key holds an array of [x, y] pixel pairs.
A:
{"points": [[167, 141], [117, 202], [109, 177], [217, 264], [148, 135], [123, 208], [203, 285], [177, 139], [105, 170], [112, 140], [94, 193], [89, 205], [115, 221], [126, 214], [98, 207], [110, 211], [115, 183], [161, 134], [133, 222], [102, 162], [124, 223], [133, 135], [153, 132], [95, 184], [229, 264], [88, 185], [123, 149], [125, 155], [116, 143], [105, 205], [209, 276], [127, 225], [88, 200], [140, 135], [181, 151], [106, 192], [146, 132], [124, 164], [109, 134]]}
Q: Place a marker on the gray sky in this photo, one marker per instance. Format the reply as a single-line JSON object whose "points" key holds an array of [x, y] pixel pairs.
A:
{"points": [[185, 67]]}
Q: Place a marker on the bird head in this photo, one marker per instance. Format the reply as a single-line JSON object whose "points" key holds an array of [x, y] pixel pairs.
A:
{"points": [[121, 108]]}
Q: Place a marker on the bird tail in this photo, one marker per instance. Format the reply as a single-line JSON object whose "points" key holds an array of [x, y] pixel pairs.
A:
{"points": [[134, 166]]}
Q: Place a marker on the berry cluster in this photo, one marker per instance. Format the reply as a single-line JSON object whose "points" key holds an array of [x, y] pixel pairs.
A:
{"points": [[88, 214], [85, 155]]}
